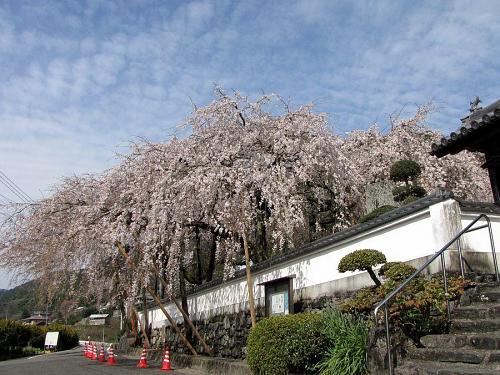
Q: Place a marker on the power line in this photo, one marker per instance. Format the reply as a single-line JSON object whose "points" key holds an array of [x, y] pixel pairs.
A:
{"points": [[15, 188], [8, 186]]}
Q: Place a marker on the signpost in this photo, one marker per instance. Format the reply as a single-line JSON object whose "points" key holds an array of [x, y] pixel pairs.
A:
{"points": [[51, 339], [279, 296]]}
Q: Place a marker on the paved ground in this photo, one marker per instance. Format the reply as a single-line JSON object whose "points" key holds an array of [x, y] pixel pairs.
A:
{"points": [[72, 362]]}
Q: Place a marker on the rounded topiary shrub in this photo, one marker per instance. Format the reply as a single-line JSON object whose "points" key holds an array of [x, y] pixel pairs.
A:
{"points": [[287, 344], [362, 260], [376, 212], [405, 170]]}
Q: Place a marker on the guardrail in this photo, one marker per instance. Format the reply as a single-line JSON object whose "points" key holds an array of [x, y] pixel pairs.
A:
{"points": [[469, 228]]}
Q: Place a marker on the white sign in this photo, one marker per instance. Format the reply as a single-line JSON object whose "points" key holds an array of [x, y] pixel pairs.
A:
{"points": [[278, 303], [51, 339]]}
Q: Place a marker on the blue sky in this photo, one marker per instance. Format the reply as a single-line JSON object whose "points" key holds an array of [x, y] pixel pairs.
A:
{"points": [[79, 79]]}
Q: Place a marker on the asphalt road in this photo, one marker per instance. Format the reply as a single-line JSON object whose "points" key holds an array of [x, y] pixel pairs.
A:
{"points": [[71, 362]]}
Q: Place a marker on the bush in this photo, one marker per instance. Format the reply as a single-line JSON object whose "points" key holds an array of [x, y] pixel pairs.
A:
{"points": [[405, 170], [283, 344], [397, 271], [348, 335], [362, 260], [400, 272], [13, 335], [402, 193], [419, 309], [376, 213]]}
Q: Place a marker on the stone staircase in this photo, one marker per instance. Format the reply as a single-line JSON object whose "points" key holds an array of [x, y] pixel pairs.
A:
{"points": [[473, 345]]}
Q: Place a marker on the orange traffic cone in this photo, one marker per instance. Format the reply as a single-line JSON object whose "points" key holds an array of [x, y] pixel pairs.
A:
{"points": [[166, 361], [102, 356], [143, 363], [85, 351], [94, 352], [111, 356]]}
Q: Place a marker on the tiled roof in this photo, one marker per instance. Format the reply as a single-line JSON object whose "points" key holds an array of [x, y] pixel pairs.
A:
{"points": [[478, 124], [483, 207], [342, 235]]}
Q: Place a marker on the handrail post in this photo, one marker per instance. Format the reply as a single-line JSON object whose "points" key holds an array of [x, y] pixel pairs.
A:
{"points": [[445, 283], [460, 257], [388, 340], [493, 251]]}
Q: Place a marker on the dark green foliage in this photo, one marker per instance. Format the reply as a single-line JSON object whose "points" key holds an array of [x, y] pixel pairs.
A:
{"points": [[287, 344], [376, 212], [419, 309], [409, 200], [16, 336], [405, 170], [361, 260], [399, 271], [382, 270], [19, 301], [348, 335], [401, 193]]}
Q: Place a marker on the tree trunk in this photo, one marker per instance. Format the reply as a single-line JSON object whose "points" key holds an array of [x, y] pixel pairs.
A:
{"points": [[249, 281], [146, 315], [185, 307], [373, 276]]}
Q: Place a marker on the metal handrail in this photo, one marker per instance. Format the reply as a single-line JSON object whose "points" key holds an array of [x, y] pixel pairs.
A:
{"points": [[440, 253]]}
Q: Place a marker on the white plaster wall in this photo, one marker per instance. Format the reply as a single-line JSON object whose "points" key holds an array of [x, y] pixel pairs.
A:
{"points": [[479, 240], [416, 236]]}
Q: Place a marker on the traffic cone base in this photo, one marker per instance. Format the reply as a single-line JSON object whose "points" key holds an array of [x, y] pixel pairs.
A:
{"points": [[143, 363], [111, 356], [94, 353], [102, 356], [166, 361]]}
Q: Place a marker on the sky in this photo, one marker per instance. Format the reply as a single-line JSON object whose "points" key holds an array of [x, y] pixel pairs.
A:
{"points": [[80, 79]]}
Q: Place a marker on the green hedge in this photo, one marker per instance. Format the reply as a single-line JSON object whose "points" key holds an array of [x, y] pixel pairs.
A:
{"points": [[15, 336], [287, 344]]}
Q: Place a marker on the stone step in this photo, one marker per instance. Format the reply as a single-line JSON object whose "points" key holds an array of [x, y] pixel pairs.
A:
{"points": [[488, 293], [474, 325], [479, 310], [488, 340], [416, 367], [461, 355]]}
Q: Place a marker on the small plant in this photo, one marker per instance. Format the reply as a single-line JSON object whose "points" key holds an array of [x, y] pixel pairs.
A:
{"points": [[376, 213], [362, 260], [405, 171], [348, 335]]}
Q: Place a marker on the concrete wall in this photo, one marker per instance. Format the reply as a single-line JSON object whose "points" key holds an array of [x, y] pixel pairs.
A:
{"points": [[410, 239]]}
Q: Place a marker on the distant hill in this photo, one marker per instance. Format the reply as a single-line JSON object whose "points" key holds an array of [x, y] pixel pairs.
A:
{"points": [[18, 301]]}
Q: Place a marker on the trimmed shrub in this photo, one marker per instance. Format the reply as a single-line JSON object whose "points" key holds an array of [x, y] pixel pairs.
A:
{"points": [[376, 213], [287, 344], [405, 170], [399, 271], [382, 270], [401, 193], [362, 260], [348, 335]]}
